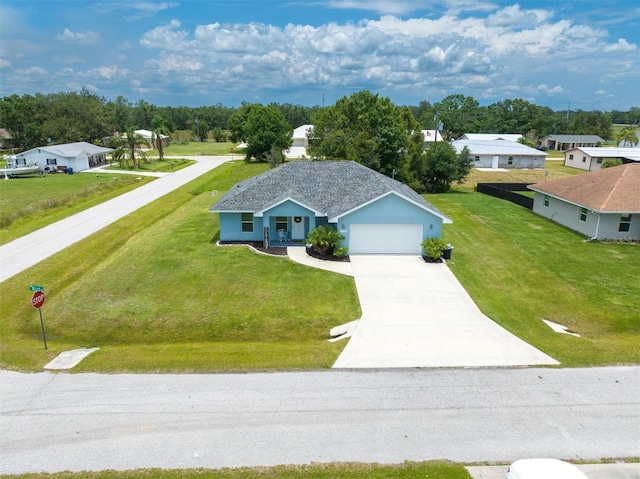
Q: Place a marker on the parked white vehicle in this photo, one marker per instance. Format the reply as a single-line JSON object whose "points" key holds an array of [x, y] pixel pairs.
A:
{"points": [[543, 469]]}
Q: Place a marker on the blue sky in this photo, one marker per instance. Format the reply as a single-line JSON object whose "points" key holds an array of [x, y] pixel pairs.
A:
{"points": [[195, 52]]}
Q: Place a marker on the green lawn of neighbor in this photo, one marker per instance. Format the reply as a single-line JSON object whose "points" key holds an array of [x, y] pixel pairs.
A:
{"points": [[407, 470], [27, 204], [196, 148], [521, 268], [153, 164]]}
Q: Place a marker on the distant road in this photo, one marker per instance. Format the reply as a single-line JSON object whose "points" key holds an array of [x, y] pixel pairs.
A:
{"points": [[30, 249], [54, 422]]}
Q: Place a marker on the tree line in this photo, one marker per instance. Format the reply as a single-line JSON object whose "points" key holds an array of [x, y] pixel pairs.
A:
{"points": [[35, 120]]}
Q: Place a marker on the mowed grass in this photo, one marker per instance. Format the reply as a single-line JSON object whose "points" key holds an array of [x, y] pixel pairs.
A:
{"points": [[155, 293], [408, 470], [27, 204], [521, 268], [197, 148]]}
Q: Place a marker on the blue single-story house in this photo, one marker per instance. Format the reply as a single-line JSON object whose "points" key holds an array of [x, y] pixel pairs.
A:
{"points": [[374, 213]]}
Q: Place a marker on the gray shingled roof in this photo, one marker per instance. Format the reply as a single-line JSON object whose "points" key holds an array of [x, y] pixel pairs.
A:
{"points": [[331, 188]]}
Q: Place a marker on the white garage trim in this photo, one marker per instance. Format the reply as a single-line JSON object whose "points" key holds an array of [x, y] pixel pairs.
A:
{"points": [[385, 239]]}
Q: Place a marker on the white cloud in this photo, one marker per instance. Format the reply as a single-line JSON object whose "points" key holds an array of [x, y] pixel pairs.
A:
{"points": [[542, 88], [140, 9], [79, 37], [505, 50], [166, 37], [621, 46], [32, 71]]}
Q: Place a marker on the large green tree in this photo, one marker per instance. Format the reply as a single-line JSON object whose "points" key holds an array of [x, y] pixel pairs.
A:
{"points": [[127, 148], [443, 167], [458, 114], [262, 128], [364, 128]]}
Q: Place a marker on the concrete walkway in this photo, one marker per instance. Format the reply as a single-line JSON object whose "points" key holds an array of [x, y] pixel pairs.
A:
{"points": [[29, 250], [417, 314]]}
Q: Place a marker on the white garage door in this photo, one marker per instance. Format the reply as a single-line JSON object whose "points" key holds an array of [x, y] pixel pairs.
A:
{"points": [[385, 239]]}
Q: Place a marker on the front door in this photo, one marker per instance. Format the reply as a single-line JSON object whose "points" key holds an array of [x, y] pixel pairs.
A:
{"points": [[297, 228]]}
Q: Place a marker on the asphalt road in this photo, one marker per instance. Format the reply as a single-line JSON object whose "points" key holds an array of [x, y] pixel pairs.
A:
{"points": [[55, 422]]}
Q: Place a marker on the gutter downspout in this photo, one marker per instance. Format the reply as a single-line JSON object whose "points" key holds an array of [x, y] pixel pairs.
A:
{"points": [[597, 226]]}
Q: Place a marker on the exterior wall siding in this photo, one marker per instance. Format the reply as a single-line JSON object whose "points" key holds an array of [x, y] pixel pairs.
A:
{"points": [[231, 228], [391, 210], [486, 161], [603, 225], [40, 158]]}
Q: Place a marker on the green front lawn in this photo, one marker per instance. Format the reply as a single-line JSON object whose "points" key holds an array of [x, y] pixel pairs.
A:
{"points": [[155, 293]]}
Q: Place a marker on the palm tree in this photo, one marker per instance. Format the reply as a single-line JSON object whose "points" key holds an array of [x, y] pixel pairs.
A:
{"points": [[627, 137], [126, 148], [159, 127]]}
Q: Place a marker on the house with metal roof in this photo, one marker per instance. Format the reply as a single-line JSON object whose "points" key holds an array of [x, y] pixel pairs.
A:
{"points": [[569, 142], [591, 159], [600, 204], [78, 156], [375, 214], [501, 154], [491, 136]]}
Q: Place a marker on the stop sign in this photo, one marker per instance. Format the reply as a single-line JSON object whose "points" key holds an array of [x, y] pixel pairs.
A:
{"points": [[38, 299]]}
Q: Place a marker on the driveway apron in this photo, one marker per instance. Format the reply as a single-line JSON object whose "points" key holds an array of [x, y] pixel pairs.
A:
{"points": [[417, 314]]}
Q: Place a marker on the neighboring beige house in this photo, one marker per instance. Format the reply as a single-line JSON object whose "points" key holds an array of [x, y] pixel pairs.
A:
{"points": [[300, 144], [591, 159], [602, 204], [501, 154], [569, 142], [79, 156]]}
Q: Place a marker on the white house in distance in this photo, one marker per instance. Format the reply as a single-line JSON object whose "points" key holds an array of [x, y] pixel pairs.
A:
{"points": [[568, 142], [300, 142], [79, 156], [591, 159], [600, 204], [501, 154], [150, 137], [491, 136]]}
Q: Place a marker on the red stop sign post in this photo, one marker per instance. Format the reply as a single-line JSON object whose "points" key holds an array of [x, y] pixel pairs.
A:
{"points": [[37, 301]]}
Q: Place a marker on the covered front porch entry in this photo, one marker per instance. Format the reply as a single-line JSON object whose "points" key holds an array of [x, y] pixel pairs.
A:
{"points": [[288, 223]]}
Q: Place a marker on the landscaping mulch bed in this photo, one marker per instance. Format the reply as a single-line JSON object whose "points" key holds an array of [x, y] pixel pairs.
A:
{"points": [[326, 257], [275, 251]]}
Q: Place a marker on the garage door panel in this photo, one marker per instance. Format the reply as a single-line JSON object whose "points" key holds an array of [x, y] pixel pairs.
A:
{"points": [[385, 239]]}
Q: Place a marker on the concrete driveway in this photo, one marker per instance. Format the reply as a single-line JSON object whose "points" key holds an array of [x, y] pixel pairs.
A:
{"points": [[417, 314]]}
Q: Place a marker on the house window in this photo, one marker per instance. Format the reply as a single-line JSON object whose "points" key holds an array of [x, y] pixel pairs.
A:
{"points": [[281, 223], [510, 161], [571, 157], [625, 223], [546, 200], [247, 222], [52, 161], [598, 160], [477, 158], [584, 159], [583, 214]]}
